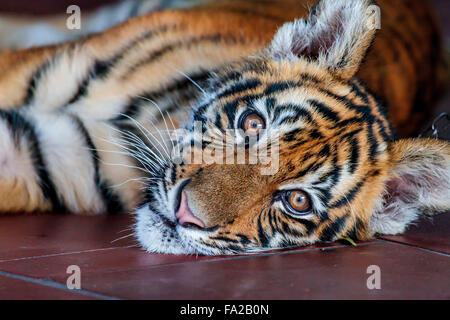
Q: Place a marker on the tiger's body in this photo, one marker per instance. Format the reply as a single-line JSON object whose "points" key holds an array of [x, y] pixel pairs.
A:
{"points": [[66, 111]]}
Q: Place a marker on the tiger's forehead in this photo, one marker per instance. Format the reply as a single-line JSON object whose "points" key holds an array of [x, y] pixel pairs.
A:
{"points": [[322, 122], [292, 102], [274, 88]]}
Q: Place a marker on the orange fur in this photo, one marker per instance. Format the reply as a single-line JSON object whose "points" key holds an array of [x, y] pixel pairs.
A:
{"points": [[341, 135]]}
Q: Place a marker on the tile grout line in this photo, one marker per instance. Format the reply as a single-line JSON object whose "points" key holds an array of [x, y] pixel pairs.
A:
{"points": [[60, 286], [261, 254], [238, 258], [64, 254], [56, 285], [416, 246]]}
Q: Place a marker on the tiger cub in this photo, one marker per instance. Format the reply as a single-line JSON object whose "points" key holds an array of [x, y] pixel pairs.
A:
{"points": [[226, 133]]}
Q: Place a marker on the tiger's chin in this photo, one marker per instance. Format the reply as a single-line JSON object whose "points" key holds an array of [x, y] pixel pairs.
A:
{"points": [[159, 234]]}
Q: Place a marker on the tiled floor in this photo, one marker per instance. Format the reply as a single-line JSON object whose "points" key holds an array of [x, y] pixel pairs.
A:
{"points": [[35, 252]]}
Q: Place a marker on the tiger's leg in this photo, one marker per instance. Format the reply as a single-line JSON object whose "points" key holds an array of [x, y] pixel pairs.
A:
{"points": [[50, 157], [35, 152], [53, 154], [20, 185], [62, 163]]}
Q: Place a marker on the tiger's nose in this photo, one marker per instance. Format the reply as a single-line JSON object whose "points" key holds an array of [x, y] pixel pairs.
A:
{"points": [[184, 215]]}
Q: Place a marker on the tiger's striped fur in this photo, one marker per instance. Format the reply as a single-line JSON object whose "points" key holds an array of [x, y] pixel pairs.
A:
{"points": [[80, 122]]}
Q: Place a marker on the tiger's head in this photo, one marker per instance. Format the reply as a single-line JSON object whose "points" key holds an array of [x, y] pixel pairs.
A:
{"points": [[339, 169]]}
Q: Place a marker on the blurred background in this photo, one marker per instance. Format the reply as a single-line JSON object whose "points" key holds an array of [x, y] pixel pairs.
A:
{"points": [[38, 9], [46, 7]]}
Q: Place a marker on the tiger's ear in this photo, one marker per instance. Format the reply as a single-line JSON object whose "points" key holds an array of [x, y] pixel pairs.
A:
{"points": [[337, 34], [419, 183]]}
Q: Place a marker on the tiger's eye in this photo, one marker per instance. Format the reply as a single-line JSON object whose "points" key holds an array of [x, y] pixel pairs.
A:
{"points": [[299, 201], [253, 124]]}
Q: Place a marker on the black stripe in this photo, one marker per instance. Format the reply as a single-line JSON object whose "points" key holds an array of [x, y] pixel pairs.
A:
{"points": [[131, 110], [367, 116], [280, 86], [270, 105], [111, 200], [248, 99], [243, 239], [173, 176], [314, 166], [354, 154], [159, 53], [221, 81], [230, 111], [315, 134], [373, 143], [252, 65], [288, 231], [386, 136], [350, 134], [21, 127], [291, 135], [309, 225], [218, 122], [357, 91], [335, 174], [239, 87], [325, 195], [230, 107], [297, 144], [272, 219], [306, 157], [101, 68], [325, 151], [35, 78], [333, 229], [259, 14], [298, 110], [349, 121], [262, 234], [224, 239], [365, 111], [349, 196], [386, 128], [358, 228], [324, 110], [309, 77]]}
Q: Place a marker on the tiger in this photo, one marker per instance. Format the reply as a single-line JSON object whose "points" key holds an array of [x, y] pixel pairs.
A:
{"points": [[331, 89]]}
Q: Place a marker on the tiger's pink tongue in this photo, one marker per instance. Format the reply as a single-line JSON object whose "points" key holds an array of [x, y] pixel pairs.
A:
{"points": [[185, 215]]}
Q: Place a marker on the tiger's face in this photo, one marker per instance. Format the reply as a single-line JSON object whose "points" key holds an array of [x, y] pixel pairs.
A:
{"points": [[339, 171]]}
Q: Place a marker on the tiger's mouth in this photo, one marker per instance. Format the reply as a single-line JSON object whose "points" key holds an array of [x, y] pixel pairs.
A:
{"points": [[167, 225], [158, 234]]}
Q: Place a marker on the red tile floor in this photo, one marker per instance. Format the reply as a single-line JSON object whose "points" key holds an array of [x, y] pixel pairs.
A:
{"points": [[35, 252]]}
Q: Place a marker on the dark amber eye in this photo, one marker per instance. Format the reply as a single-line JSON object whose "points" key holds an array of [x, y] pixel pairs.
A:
{"points": [[251, 123], [297, 202]]}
